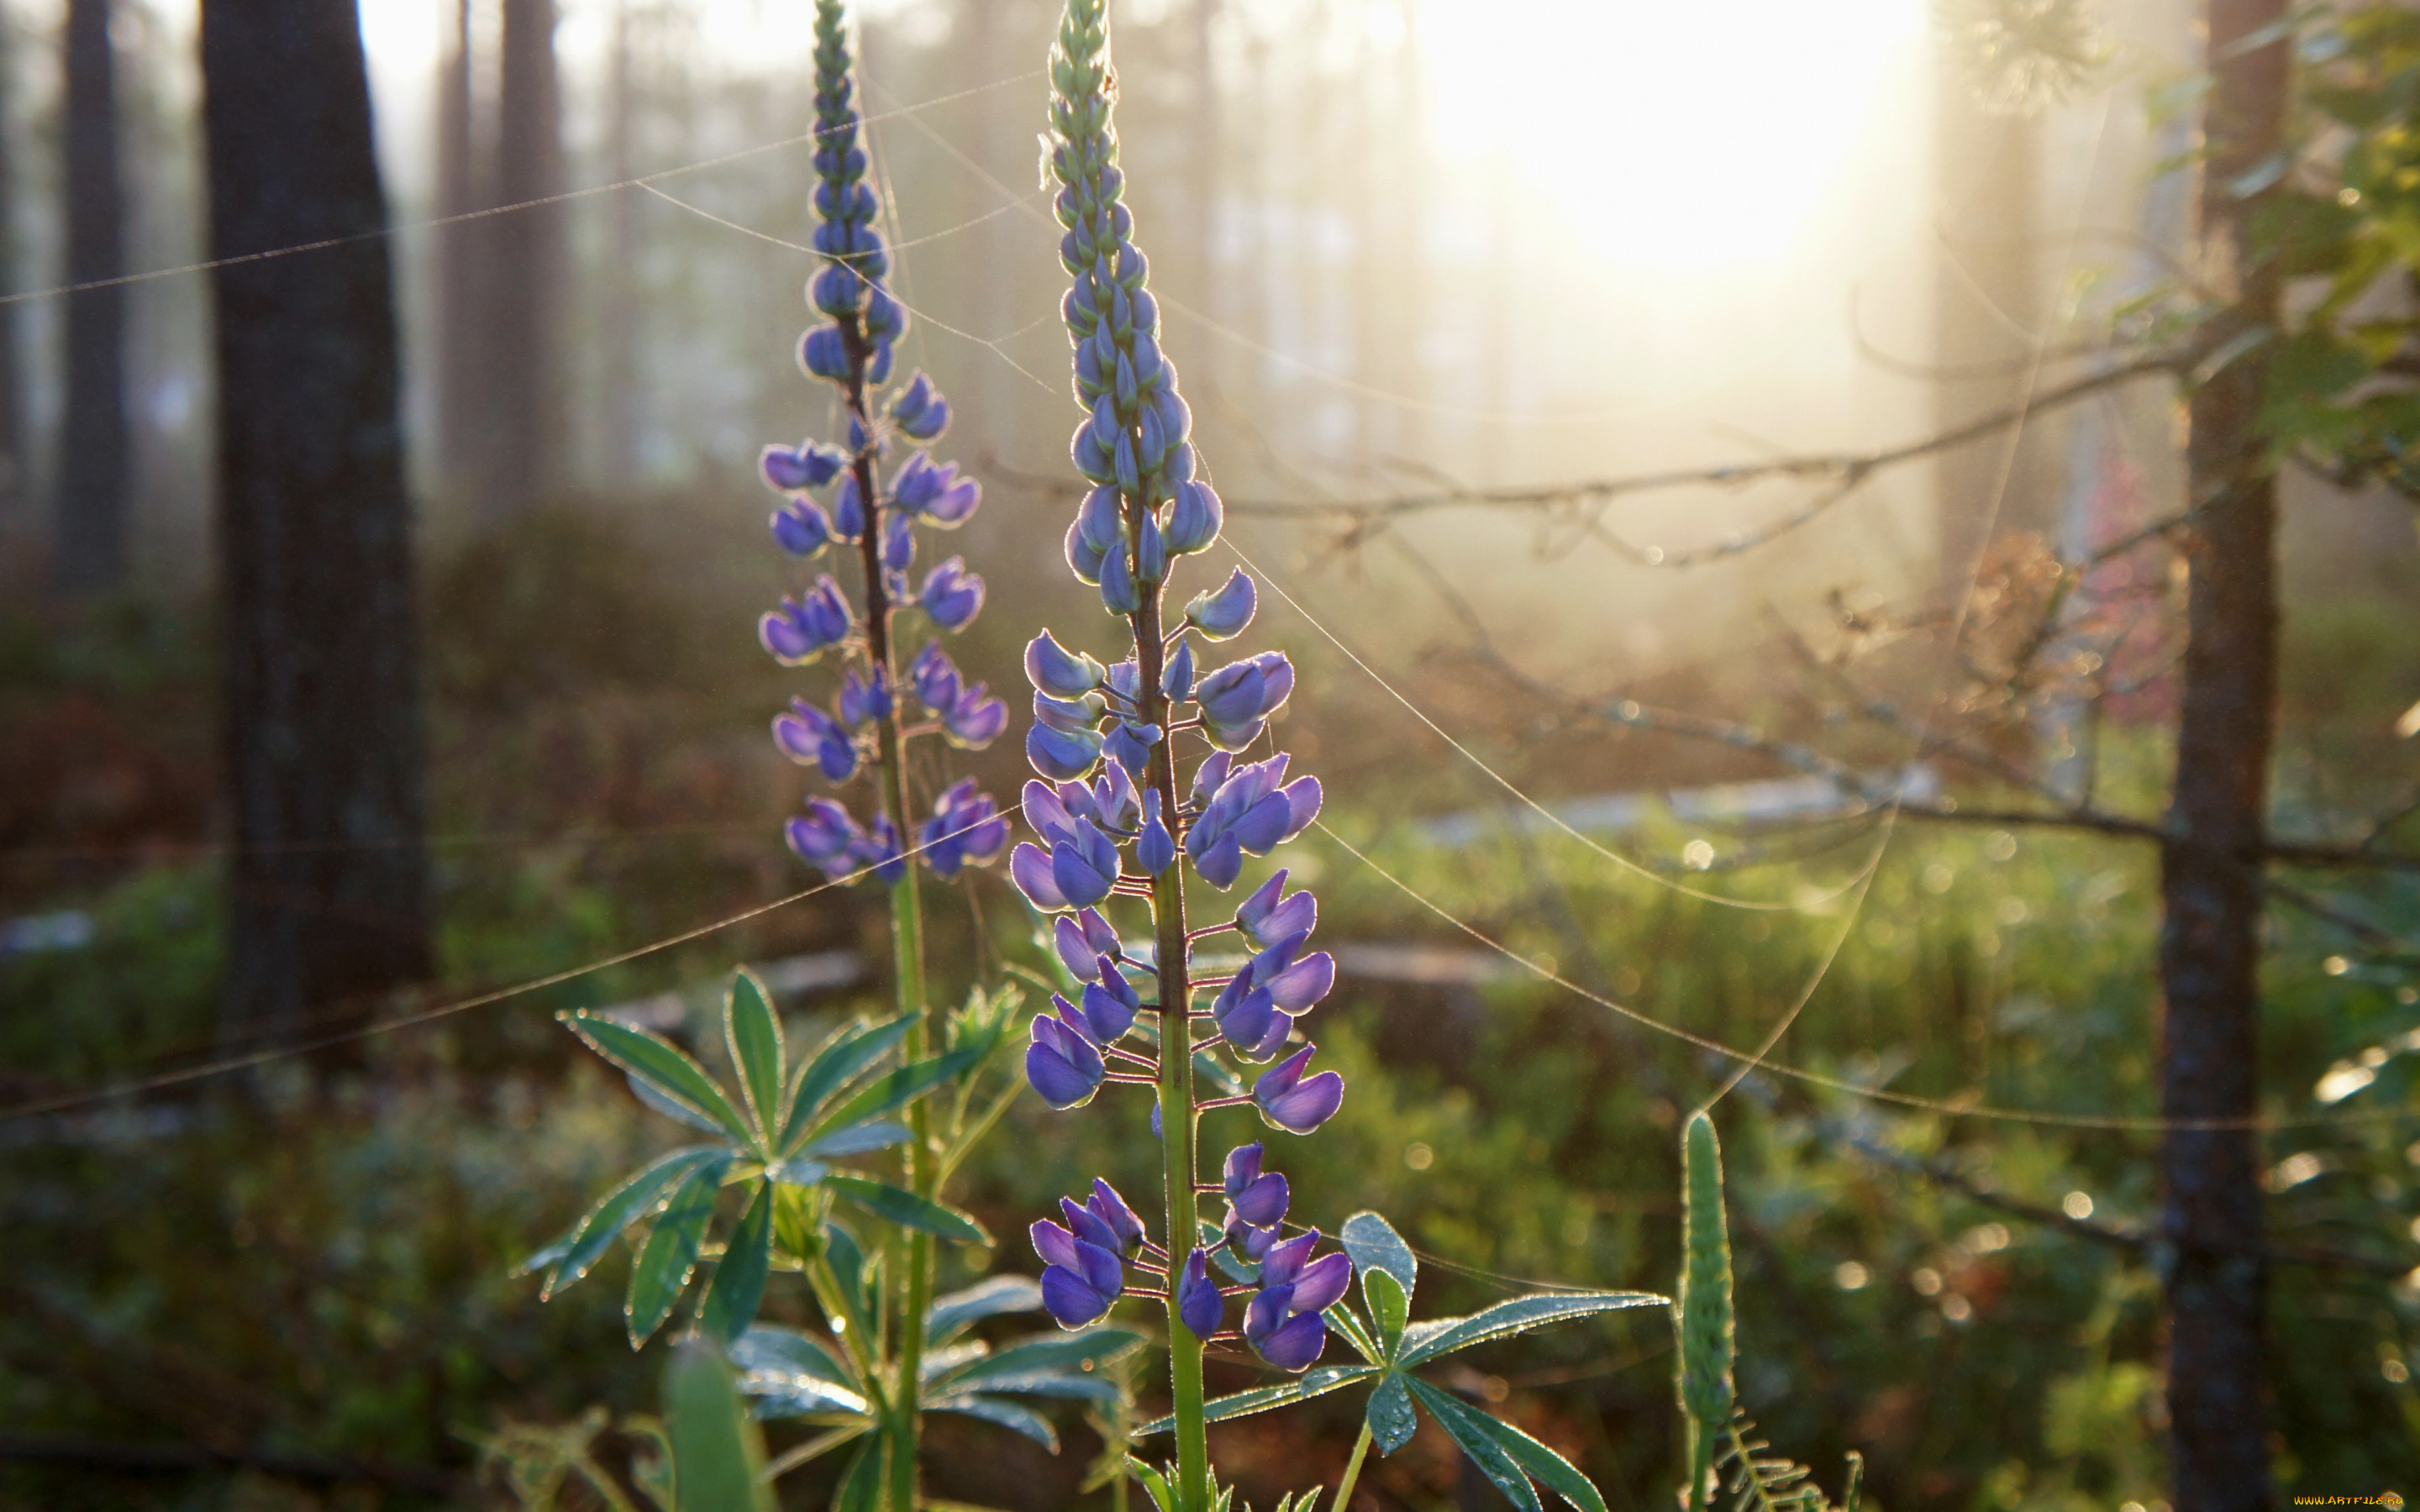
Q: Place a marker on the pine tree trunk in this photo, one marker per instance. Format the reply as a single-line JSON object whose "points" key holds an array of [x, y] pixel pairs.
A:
{"points": [[329, 892], [91, 539], [461, 324], [2209, 943], [14, 470], [525, 271]]}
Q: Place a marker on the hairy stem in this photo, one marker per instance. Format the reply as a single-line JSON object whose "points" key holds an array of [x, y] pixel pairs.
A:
{"points": [[1176, 1111], [1343, 1499], [906, 945]]}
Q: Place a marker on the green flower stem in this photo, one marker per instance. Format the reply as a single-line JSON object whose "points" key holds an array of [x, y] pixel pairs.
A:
{"points": [[1177, 1116], [907, 946], [1343, 1500]]}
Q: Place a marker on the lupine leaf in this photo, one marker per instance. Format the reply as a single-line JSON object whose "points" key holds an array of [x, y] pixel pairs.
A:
{"points": [[671, 1252], [739, 1275], [1373, 1245], [900, 1206], [1260, 1400], [1389, 1310], [672, 1107], [1426, 1341], [754, 1033], [1008, 1414], [1389, 1414], [568, 1258], [893, 1091], [798, 1171], [718, 1456], [861, 1486], [663, 1065], [850, 1270], [1092, 1347], [794, 1374], [986, 1298], [1342, 1319], [1474, 1430], [1533, 1459], [1154, 1484], [1044, 1383], [950, 1358], [856, 1140], [842, 1059]]}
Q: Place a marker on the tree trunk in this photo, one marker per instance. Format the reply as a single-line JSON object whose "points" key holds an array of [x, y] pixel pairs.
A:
{"points": [[524, 272], [460, 325], [620, 324], [329, 893], [15, 473], [90, 536], [2209, 951]]}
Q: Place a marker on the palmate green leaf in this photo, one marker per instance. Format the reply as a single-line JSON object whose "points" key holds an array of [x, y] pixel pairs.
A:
{"points": [[794, 1374], [889, 1092], [1389, 1414], [1008, 1414], [1345, 1321], [718, 1456], [1065, 1385], [896, 1204], [1512, 1450], [739, 1276], [669, 1254], [664, 1066], [1423, 1342], [859, 1281], [1389, 1310], [841, 1060], [753, 1031], [960, 1310], [1373, 1245], [1085, 1351], [1473, 1431], [569, 1258], [861, 1486], [1260, 1399]]}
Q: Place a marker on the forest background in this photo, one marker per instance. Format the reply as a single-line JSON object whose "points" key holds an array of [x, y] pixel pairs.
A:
{"points": [[1416, 253]]}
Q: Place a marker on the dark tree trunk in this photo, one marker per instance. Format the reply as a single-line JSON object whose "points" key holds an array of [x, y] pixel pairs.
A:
{"points": [[330, 886], [2209, 953], [619, 326], [524, 272], [460, 322], [14, 471], [89, 539]]}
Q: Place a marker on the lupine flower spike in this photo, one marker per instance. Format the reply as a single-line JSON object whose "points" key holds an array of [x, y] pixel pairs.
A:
{"points": [[1140, 784], [868, 726]]}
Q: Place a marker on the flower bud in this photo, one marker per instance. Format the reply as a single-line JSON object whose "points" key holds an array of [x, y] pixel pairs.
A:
{"points": [[1194, 523], [1221, 614]]}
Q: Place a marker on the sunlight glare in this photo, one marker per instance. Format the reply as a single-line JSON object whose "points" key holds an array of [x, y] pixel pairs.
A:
{"points": [[1671, 135]]}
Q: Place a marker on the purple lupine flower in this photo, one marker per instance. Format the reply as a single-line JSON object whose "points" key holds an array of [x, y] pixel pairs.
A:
{"points": [[1249, 1019], [847, 510], [1199, 1306], [808, 735], [920, 412], [1084, 940], [797, 469], [1285, 1338], [803, 629], [966, 828], [1257, 1196], [1176, 680], [1266, 917], [1194, 523], [1293, 984], [1061, 754], [1064, 1066], [826, 837], [1247, 813], [1155, 849], [1058, 671], [801, 528], [1237, 700], [823, 354], [1084, 865], [882, 852], [898, 544], [1287, 1101], [1028, 867], [864, 699], [1131, 744], [1079, 1279], [952, 595], [1223, 612], [1109, 1003], [1115, 1215]]}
